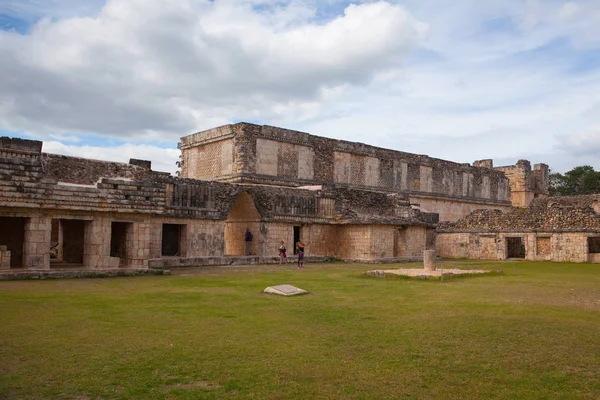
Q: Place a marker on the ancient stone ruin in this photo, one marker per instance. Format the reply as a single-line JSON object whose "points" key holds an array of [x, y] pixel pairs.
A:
{"points": [[349, 200], [553, 228]]}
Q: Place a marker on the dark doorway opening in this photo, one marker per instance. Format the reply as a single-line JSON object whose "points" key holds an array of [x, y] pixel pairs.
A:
{"points": [[120, 241], [72, 238], [172, 235], [12, 234], [515, 247], [296, 238], [594, 245]]}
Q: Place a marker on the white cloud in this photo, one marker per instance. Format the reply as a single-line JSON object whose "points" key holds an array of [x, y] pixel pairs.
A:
{"points": [[155, 69], [502, 79], [568, 11], [585, 142]]}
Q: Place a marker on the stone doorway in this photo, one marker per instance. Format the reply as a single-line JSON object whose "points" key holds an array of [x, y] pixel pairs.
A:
{"points": [[243, 215], [593, 249], [70, 246], [12, 235], [173, 240], [515, 247], [121, 242]]}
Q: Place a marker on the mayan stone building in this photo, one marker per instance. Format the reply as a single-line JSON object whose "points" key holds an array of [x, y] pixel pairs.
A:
{"points": [[555, 228], [350, 200], [247, 153], [58, 211]]}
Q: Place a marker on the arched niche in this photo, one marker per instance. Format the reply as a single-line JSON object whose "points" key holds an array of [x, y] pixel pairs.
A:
{"points": [[243, 214]]}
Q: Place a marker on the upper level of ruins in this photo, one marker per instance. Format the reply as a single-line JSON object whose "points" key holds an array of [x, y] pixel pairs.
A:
{"points": [[251, 153], [32, 179], [526, 184]]}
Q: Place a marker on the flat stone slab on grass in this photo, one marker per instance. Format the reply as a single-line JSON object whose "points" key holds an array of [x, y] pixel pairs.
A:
{"points": [[423, 273], [285, 290]]}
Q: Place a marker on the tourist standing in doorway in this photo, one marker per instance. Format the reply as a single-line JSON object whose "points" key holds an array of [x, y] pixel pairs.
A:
{"points": [[282, 253], [300, 248], [248, 239]]}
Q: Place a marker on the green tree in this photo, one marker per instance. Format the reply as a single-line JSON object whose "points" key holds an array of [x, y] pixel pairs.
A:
{"points": [[579, 180]]}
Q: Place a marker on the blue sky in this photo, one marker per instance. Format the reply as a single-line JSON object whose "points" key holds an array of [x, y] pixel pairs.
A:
{"points": [[461, 80]]}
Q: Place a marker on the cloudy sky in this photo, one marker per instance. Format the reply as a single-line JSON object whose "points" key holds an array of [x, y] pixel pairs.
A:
{"points": [[459, 80]]}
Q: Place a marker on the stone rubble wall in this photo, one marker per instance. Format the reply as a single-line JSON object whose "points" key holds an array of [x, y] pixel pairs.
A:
{"points": [[88, 172], [554, 228], [539, 246], [568, 213]]}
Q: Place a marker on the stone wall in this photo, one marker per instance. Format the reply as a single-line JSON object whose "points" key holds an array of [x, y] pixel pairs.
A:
{"points": [[212, 159], [567, 213], [367, 242], [88, 172], [539, 246], [554, 228], [354, 242], [323, 239], [284, 159], [449, 210], [111, 215], [526, 184], [271, 155]]}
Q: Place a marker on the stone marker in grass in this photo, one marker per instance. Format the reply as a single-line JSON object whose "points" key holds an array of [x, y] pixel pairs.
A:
{"points": [[285, 290]]}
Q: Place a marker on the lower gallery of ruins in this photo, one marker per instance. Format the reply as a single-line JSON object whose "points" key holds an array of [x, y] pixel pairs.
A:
{"points": [[351, 201]]}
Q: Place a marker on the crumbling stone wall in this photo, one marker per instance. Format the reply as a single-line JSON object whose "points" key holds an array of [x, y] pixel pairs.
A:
{"points": [[556, 228], [568, 213], [525, 184], [88, 172]]}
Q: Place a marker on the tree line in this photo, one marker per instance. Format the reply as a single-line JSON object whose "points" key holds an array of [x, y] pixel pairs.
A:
{"points": [[579, 180]]}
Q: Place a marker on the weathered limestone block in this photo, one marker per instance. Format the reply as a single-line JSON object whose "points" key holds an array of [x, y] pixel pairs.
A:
{"points": [[36, 246], [429, 260], [114, 262], [96, 246], [4, 258]]}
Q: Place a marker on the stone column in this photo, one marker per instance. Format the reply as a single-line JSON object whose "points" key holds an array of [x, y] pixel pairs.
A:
{"points": [[429, 260], [96, 243], [4, 257], [36, 246], [139, 252]]}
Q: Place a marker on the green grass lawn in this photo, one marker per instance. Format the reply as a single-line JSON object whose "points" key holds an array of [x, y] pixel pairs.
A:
{"points": [[209, 333]]}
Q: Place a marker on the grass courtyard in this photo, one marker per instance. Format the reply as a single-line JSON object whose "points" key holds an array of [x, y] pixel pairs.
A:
{"points": [[209, 333]]}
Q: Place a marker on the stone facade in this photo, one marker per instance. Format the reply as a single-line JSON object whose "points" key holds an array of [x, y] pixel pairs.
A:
{"points": [[58, 211], [555, 228], [271, 155], [349, 200], [526, 184]]}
